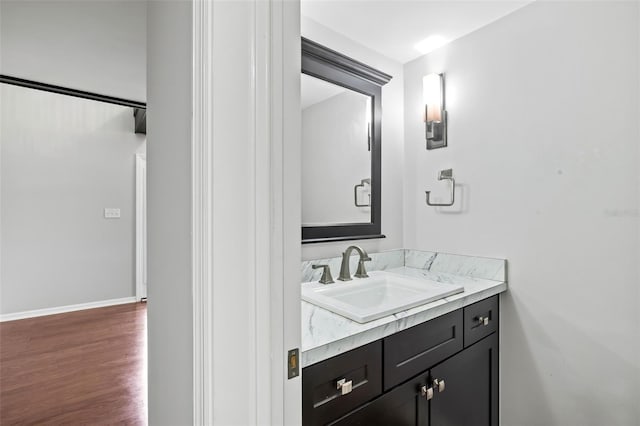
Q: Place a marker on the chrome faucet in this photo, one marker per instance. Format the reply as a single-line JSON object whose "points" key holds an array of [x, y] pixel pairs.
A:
{"points": [[361, 272]]}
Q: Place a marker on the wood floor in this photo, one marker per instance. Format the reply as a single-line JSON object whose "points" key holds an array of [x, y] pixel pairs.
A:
{"points": [[81, 368]]}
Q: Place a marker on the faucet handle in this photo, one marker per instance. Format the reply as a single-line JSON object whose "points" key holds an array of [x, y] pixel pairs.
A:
{"points": [[361, 272], [326, 274]]}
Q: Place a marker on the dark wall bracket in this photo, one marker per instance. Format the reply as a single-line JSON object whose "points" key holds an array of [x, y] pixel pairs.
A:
{"points": [[140, 115]]}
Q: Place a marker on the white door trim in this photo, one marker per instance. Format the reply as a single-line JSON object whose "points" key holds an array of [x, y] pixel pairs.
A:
{"points": [[271, 306], [141, 226], [286, 198], [202, 201]]}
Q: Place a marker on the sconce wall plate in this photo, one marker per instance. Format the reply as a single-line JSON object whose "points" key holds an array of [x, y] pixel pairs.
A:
{"points": [[436, 132]]}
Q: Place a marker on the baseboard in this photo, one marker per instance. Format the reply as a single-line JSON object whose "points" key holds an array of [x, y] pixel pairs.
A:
{"points": [[62, 309]]}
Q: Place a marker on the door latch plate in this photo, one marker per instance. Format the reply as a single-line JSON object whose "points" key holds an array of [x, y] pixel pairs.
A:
{"points": [[293, 363]]}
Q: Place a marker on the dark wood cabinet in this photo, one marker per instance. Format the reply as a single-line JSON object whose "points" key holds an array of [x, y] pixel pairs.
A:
{"points": [[403, 406], [323, 399], [456, 386], [415, 349], [480, 320], [470, 395]]}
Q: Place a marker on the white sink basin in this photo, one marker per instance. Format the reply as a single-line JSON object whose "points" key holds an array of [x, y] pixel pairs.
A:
{"points": [[382, 294]]}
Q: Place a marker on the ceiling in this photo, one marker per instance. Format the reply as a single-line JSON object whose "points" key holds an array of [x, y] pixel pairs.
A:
{"points": [[394, 27]]}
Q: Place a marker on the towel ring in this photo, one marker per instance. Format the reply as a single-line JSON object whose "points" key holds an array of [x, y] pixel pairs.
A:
{"points": [[446, 174]]}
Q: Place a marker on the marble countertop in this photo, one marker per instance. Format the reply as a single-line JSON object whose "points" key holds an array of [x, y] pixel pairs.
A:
{"points": [[325, 334]]}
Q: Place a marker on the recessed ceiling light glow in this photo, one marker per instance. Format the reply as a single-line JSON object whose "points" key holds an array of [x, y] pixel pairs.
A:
{"points": [[430, 43]]}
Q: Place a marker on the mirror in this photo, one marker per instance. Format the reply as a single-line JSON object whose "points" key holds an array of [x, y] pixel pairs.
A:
{"points": [[336, 154], [341, 146]]}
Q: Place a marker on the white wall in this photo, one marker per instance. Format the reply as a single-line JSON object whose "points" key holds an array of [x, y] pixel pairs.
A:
{"points": [[64, 160], [543, 141], [392, 142], [335, 157], [95, 46], [170, 312]]}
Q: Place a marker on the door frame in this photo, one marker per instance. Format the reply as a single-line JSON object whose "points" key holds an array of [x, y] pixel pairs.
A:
{"points": [[141, 227], [272, 297]]}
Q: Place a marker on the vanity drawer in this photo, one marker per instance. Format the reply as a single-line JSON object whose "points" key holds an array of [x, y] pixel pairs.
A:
{"points": [[418, 348], [480, 320], [323, 402]]}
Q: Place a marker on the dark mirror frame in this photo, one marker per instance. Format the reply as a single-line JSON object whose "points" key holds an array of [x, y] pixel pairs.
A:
{"points": [[328, 65]]}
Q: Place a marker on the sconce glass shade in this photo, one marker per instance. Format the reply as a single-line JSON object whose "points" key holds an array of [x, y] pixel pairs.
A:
{"points": [[435, 115], [432, 96]]}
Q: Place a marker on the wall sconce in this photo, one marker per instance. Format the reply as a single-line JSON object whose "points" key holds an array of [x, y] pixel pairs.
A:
{"points": [[435, 115]]}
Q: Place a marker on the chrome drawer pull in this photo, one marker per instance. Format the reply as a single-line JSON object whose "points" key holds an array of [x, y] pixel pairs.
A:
{"points": [[343, 386], [426, 392], [439, 384], [483, 320]]}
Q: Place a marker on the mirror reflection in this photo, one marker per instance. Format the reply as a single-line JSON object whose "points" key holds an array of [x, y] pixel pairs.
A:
{"points": [[336, 154]]}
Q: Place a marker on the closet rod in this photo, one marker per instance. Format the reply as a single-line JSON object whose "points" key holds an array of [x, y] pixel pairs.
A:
{"points": [[70, 92]]}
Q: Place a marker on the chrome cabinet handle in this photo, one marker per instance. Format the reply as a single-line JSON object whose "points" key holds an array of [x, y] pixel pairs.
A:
{"points": [[439, 385], [483, 320], [344, 386], [426, 392]]}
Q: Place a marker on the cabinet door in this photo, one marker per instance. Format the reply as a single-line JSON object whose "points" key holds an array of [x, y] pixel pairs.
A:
{"points": [[403, 406], [470, 395]]}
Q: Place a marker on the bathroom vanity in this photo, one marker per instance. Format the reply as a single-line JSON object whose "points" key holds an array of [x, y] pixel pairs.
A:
{"points": [[435, 364]]}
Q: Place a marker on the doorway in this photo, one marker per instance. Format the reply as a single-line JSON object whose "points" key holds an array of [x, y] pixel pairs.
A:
{"points": [[72, 334]]}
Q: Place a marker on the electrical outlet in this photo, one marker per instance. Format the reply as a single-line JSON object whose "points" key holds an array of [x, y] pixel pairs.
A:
{"points": [[111, 213]]}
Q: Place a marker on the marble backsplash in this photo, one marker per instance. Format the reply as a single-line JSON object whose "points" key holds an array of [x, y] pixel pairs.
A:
{"points": [[379, 262], [468, 266]]}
